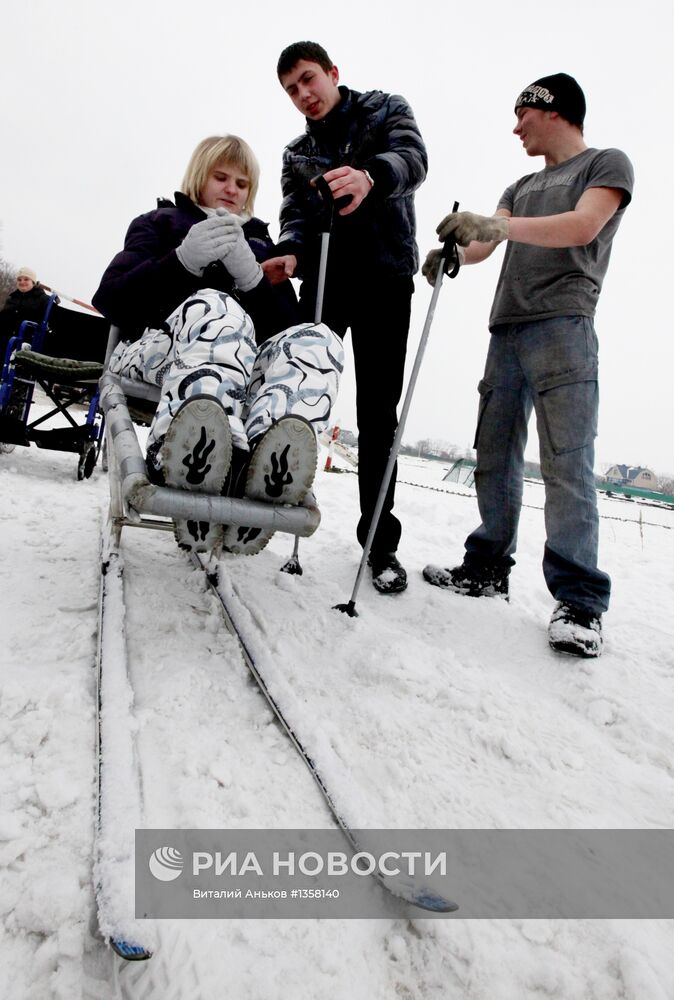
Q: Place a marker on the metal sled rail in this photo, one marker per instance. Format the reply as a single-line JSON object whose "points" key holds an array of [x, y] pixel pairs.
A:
{"points": [[136, 502], [118, 769], [136, 495]]}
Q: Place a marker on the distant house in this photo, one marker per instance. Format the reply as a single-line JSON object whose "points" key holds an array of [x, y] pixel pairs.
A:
{"points": [[632, 475]]}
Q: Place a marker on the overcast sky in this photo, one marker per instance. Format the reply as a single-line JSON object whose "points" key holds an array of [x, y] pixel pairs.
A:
{"points": [[102, 105]]}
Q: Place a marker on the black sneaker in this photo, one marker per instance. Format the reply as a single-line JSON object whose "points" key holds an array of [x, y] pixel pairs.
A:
{"points": [[388, 576], [575, 630], [472, 581]]}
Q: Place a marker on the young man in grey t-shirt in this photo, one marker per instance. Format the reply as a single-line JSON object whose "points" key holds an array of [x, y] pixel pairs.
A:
{"points": [[559, 225]]}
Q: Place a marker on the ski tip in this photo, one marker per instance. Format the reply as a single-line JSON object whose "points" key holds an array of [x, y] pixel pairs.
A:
{"points": [[435, 903], [130, 952]]}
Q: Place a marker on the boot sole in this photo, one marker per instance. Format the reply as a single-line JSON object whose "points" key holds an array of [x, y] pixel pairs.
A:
{"points": [[196, 455], [282, 470], [571, 648]]}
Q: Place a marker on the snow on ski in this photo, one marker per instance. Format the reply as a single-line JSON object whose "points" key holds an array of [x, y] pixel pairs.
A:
{"points": [[405, 889], [119, 785]]}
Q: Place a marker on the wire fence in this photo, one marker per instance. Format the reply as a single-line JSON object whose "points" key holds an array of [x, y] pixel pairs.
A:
{"points": [[529, 506]]}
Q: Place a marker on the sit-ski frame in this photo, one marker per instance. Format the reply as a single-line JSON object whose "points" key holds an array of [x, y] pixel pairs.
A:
{"points": [[136, 502]]}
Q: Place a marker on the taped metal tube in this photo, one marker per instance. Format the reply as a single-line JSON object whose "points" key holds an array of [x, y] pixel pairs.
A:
{"points": [[144, 497]]}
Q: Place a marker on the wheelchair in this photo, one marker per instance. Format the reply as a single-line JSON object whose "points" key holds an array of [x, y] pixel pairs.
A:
{"points": [[63, 355]]}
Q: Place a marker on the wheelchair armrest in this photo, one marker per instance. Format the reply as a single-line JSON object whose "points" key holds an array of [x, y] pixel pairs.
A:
{"points": [[27, 330]]}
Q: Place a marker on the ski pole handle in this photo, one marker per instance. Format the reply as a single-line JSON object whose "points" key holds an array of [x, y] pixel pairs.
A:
{"points": [[323, 188], [450, 254]]}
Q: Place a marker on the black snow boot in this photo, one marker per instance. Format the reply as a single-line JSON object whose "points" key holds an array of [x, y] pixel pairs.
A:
{"points": [[575, 630], [472, 581], [388, 576]]}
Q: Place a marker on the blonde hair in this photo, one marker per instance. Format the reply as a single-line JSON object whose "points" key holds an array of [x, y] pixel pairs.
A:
{"points": [[216, 150]]}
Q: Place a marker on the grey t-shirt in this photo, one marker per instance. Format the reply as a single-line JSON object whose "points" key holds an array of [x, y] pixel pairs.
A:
{"points": [[542, 282]]}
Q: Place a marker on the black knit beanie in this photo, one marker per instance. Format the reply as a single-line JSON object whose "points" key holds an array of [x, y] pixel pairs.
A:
{"points": [[560, 93]]}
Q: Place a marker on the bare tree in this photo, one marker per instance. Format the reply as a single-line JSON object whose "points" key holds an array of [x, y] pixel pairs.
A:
{"points": [[7, 279]]}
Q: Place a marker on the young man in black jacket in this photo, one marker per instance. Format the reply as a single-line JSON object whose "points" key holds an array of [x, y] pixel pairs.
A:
{"points": [[369, 149]]}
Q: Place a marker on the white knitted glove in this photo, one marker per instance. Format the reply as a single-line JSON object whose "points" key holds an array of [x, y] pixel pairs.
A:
{"points": [[207, 241], [466, 227], [237, 257]]}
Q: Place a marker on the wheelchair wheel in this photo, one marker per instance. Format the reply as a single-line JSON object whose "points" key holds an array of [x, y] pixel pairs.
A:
{"points": [[87, 461]]}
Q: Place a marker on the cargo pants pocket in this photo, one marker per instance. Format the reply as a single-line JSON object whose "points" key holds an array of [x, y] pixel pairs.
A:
{"points": [[568, 407]]}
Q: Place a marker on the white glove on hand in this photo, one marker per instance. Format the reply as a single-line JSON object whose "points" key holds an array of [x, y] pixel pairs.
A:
{"points": [[237, 256], [433, 262], [466, 227], [207, 241]]}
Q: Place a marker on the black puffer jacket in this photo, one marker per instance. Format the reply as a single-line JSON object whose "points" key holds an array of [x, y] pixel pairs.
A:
{"points": [[375, 132], [146, 281], [24, 305]]}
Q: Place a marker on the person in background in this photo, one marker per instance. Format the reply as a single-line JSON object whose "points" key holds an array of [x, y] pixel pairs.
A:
{"points": [[245, 385], [558, 226], [27, 302]]}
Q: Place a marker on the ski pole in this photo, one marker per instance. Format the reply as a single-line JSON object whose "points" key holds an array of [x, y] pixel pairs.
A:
{"points": [[293, 565], [331, 204], [69, 298], [324, 190], [449, 258]]}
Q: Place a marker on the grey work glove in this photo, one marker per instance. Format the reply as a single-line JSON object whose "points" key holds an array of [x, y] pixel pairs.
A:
{"points": [[237, 257], [466, 227], [434, 261], [206, 242]]}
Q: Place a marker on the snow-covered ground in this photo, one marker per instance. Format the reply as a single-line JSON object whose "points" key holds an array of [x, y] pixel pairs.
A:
{"points": [[429, 710]]}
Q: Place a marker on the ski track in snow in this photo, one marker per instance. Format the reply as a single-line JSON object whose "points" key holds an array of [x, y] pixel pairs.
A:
{"points": [[427, 710]]}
